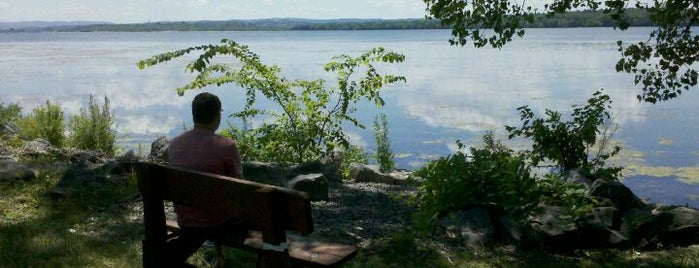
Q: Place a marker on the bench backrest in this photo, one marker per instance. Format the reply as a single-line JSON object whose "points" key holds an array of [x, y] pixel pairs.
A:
{"points": [[275, 209]]}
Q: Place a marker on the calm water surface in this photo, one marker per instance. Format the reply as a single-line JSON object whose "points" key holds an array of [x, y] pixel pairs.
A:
{"points": [[452, 93]]}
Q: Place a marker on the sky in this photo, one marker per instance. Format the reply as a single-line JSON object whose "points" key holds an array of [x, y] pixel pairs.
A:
{"points": [[134, 11]]}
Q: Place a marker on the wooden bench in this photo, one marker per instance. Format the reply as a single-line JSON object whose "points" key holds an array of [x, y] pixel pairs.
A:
{"points": [[283, 216]]}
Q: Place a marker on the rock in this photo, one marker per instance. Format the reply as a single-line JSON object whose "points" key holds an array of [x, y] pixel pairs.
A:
{"points": [[38, 147], [363, 173], [316, 185], [681, 227], [617, 194], [473, 227], [158, 150], [331, 166], [11, 170], [328, 169], [8, 129], [264, 172], [604, 217], [576, 176], [553, 221], [87, 159]]}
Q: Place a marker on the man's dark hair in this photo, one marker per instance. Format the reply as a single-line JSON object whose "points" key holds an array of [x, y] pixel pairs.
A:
{"points": [[205, 108]]}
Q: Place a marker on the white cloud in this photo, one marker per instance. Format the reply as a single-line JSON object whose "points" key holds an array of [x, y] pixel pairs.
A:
{"points": [[147, 124]]}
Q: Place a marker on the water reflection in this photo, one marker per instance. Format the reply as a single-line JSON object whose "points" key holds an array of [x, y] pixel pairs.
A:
{"points": [[452, 92]]}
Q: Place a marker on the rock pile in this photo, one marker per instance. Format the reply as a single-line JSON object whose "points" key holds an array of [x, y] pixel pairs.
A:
{"points": [[620, 220]]}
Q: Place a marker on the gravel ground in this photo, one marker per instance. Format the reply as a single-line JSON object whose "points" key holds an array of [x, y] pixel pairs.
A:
{"points": [[362, 212]]}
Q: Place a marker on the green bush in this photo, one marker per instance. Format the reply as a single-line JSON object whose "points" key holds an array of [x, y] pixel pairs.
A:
{"points": [[308, 118], [44, 122], [571, 144], [9, 117], [91, 129], [10, 113], [490, 176], [496, 176], [384, 155]]}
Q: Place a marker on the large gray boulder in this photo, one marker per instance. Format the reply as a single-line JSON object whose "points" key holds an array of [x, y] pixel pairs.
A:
{"points": [[264, 172], [363, 173], [158, 150], [315, 185], [38, 147], [616, 194], [11, 170], [8, 129], [680, 226], [329, 169], [473, 228]]}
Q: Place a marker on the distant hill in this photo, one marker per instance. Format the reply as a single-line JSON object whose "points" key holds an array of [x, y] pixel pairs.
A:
{"points": [[274, 24], [636, 17], [44, 25]]}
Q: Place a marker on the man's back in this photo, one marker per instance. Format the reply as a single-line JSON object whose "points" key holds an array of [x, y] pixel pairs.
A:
{"points": [[202, 150]]}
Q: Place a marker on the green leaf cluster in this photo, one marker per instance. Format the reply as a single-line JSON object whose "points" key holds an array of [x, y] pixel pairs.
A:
{"points": [[308, 118], [44, 122], [571, 144], [384, 154], [664, 65], [92, 128], [10, 115], [493, 175]]}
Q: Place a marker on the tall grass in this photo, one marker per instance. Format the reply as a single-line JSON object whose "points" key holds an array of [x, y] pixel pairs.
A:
{"points": [[92, 128], [384, 155]]}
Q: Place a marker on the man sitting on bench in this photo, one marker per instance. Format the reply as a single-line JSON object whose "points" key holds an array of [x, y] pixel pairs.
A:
{"points": [[203, 150]]}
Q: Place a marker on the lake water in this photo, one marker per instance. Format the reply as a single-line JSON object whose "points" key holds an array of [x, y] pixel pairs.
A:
{"points": [[452, 93]]}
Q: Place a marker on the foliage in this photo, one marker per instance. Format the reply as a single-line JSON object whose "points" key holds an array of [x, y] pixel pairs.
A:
{"points": [[44, 122], [10, 113], [92, 128], [352, 154], [491, 176], [309, 118], [556, 192], [384, 155], [569, 143], [9, 117], [662, 66]]}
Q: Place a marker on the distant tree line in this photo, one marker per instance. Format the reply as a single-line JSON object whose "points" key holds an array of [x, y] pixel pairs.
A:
{"points": [[636, 17]]}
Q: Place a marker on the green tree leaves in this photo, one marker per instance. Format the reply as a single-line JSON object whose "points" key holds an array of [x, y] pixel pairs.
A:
{"points": [[45, 122], [664, 66]]}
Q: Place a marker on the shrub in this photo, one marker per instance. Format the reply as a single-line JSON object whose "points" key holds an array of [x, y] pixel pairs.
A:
{"points": [[307, 120], [569, 144], [91, 129], [10, 113], [491, 176], [44, 122], [9, 118], [384, 155]]}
